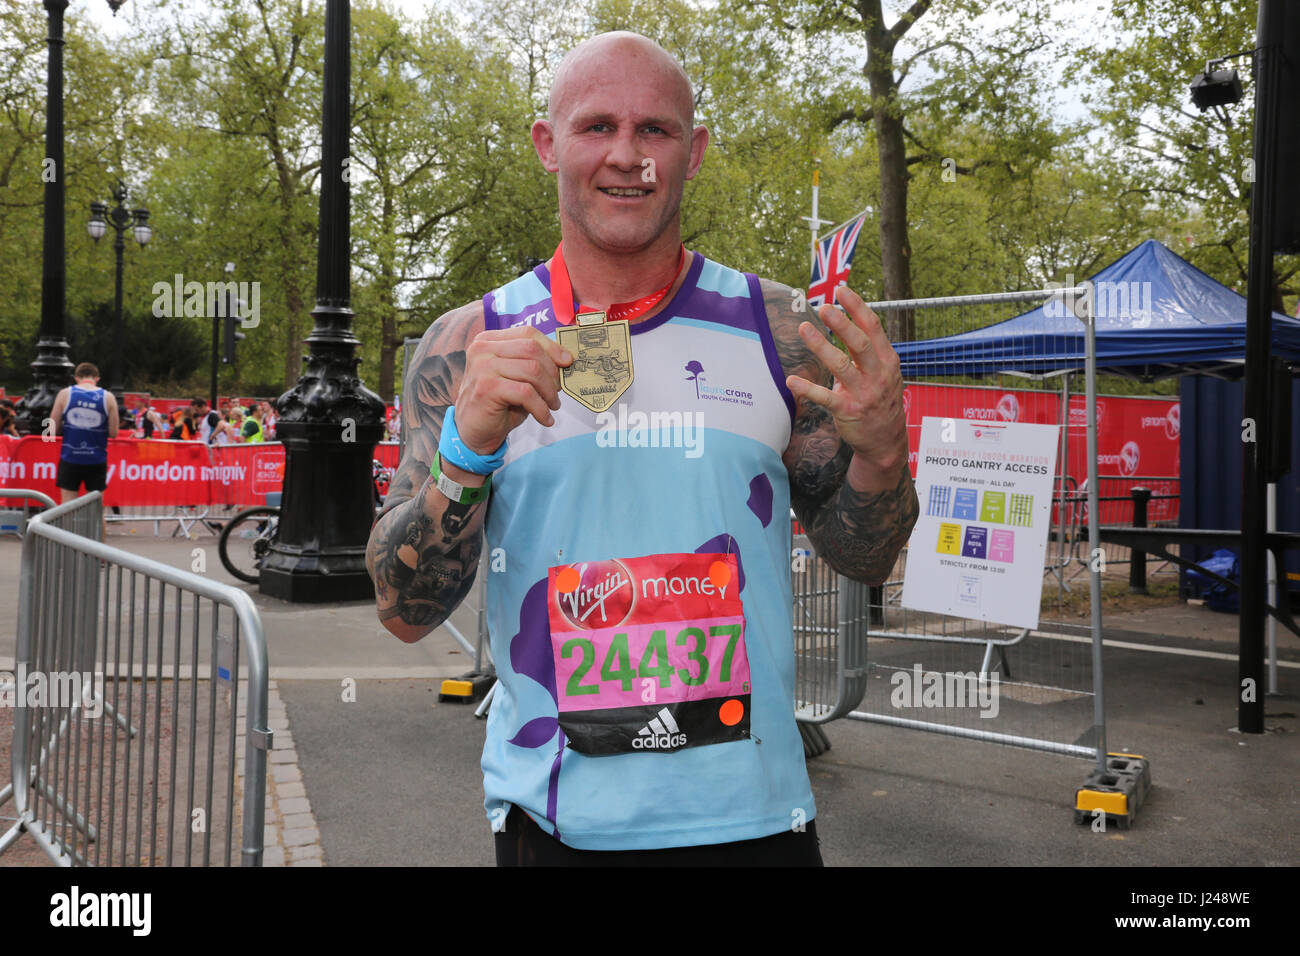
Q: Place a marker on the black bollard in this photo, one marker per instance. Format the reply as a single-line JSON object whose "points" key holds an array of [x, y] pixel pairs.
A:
{"points": [[1137, 569]]}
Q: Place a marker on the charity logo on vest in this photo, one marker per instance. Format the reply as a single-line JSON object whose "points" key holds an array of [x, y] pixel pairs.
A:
{"points": [[705, 391]]}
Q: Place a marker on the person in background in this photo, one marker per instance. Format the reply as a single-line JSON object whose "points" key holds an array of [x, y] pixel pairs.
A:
{"points": [[205, 420], [7, 425], [183, 425], [252, 431], [223, 432], [235, 418], [152, 423], [269, 419], [86, 416]]}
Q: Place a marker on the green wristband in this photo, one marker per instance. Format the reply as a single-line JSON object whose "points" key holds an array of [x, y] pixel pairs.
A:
{"points": [[461, 494]]}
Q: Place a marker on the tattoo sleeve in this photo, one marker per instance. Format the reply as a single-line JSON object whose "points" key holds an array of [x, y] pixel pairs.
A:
{"points": [[859, 534], [424, 548]]}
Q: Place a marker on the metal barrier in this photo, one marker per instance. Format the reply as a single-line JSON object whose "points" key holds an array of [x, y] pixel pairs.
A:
{"points": [[20, 517], [1044, 686], [127, 744]]}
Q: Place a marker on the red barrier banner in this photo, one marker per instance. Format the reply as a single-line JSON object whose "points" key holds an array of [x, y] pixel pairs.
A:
{"points": [[1136, 436], [164, 474]]}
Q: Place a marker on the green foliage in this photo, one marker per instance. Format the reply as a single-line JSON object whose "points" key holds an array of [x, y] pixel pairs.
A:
{"points": [[211, 114], [1194, 167]]}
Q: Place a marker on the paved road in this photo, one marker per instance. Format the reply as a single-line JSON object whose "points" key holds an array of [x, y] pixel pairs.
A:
{"points": [[393, 777]]}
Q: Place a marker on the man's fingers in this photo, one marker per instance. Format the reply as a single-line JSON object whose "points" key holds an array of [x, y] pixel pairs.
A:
{"points": [[526, 334], [543, 376], [836, 362], [800, 387], [867, 320], [524, 396], [850, 333]]}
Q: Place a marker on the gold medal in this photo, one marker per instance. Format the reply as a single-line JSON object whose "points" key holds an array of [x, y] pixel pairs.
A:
{"points": [[602, 360]]}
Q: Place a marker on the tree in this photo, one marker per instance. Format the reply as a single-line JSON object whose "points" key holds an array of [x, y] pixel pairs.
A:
{"points": [[961, 70], [1195, 166]]}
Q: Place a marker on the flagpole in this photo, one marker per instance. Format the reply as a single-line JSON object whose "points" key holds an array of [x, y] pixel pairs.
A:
{"points": [[814, 223]]}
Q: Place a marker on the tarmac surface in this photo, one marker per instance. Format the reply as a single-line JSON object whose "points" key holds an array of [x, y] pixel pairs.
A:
{"points": [[393, 778]]}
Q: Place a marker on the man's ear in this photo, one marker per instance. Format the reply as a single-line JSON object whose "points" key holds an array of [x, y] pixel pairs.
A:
{"points": [[699, 142], [543, 135]]}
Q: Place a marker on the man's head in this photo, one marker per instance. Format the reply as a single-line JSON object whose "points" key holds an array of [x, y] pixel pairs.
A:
{"points": [[198, 404], [85, 372], [621, 116]]}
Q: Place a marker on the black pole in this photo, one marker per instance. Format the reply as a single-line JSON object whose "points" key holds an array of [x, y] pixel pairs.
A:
{"points": [[329, 422], [1137, 568], [52, 369], [119, 251], [1259, 333], [216, 345]]}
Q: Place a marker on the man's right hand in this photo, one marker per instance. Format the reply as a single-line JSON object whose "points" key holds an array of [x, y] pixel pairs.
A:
{"points": [[509, 375]]}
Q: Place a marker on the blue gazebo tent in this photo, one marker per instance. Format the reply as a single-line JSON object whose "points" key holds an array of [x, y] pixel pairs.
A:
{"points": [[1157, 315]]}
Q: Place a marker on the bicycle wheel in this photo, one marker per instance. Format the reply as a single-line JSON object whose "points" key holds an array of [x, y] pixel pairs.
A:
{"points": [[245, 540]]}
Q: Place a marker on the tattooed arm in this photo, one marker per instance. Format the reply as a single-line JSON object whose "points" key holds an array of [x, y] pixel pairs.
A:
{"points": [[850, 485], [424, 548]]}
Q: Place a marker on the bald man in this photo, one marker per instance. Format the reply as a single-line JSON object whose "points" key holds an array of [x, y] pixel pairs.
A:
{"points": [[628, 426]]}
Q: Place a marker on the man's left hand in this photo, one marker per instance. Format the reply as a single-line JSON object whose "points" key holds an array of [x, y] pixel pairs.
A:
{"points": [[867, 399]]}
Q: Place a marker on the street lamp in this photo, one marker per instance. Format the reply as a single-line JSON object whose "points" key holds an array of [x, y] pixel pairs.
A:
{"points": [[120, 218]]}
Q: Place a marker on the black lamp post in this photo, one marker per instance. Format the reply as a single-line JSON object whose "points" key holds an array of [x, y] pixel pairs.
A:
{"points": [[52, 369], [329, 422], [120, 219]]}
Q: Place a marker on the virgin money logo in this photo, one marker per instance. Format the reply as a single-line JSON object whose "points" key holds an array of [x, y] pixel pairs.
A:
{"points": [[1079, 414], [1171, 421], [603, 597], [1008, 408], [1128, 458]]}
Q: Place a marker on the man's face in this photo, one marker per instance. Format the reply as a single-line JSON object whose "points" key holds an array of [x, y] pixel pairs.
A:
{"points": [[622, 123]]}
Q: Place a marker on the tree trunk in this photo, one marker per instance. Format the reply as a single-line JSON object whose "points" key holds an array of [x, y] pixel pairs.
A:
{"points": [[895, 249]]}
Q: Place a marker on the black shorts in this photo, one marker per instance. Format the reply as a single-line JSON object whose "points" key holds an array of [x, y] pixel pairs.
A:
{"points": [[524, 843], [71, 476]]}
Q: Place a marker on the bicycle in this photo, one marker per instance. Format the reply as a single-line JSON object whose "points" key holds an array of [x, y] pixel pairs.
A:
{"points": [[248, 535], [252, 531]]}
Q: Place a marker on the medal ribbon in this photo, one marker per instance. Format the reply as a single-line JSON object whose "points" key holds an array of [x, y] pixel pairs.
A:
{"points": [[562, 293]]}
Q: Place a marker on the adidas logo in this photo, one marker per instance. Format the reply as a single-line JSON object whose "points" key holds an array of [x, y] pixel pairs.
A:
{"points": [[661, 733]]}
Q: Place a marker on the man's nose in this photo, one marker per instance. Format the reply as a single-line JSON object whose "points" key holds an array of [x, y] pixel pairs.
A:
{"points": [[624, 152]]}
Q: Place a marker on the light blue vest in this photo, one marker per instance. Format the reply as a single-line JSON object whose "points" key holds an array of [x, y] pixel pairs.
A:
{"points": [[688, 461]]}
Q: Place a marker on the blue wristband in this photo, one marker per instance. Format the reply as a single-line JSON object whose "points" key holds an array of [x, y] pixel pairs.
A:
{"points": [[459, 454]]}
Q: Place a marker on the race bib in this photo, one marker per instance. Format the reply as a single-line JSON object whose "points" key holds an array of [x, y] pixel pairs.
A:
{"points": [[649, 653]]}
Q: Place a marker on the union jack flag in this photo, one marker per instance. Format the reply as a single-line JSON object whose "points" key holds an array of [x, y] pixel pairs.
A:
{"points": [[834, 256]]}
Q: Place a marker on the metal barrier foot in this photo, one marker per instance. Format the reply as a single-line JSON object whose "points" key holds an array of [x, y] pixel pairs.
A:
{"points": [[1116, 792], [815, 741]]}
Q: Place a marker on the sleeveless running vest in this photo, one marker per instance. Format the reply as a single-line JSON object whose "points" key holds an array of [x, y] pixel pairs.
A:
{"points": [[85, 427], [686, 463]]}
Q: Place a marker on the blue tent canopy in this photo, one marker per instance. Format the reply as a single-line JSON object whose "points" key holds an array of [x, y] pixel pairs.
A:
{"points": [[1157, 315]]}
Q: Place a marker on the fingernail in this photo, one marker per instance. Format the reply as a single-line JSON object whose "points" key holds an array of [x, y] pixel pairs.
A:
{"points": [[565, 356]]}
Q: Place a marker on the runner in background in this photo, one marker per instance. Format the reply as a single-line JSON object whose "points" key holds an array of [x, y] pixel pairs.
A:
{"points": [[86, 416], [152, 423]]}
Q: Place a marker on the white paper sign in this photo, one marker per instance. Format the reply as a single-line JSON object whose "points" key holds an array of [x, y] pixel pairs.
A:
{"points": [[986, 504]]}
